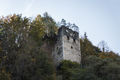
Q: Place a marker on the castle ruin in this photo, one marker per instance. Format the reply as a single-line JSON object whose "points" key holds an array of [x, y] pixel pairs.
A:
{"points": [[67, 46]]}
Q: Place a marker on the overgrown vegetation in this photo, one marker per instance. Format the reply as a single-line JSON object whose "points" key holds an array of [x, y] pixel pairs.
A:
{"points": [[23, 56], [96, 64]]}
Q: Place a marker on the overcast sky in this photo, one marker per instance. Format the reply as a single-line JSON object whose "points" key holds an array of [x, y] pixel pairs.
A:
{"points": [[99, 18]]}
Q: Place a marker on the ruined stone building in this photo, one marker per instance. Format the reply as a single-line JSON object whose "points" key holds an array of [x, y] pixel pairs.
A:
{"points": [[67, 46]]}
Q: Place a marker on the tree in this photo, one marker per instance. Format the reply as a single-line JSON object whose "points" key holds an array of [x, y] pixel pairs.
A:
{"points": [[50, 24], [103, 46], [14, 36], [73, 71], [4, 75], [87, 48], [21, 56], [111, 71], [66, 68], [37, 29], [34, 67]]}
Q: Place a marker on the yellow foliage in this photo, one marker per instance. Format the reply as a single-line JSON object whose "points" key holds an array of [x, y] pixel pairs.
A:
{"points": [[4, 57], [5, 75], [107, 55], [33, 60]]}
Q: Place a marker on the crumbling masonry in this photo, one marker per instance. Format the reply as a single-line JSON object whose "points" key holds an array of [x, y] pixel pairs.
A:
{"points": [[67, 46]]}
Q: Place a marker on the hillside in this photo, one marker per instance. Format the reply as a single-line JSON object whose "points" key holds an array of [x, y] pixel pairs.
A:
{"points": [[26, 47]]}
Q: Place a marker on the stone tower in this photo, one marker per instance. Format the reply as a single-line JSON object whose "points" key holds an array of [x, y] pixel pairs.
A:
{"points": [[67, 46]]}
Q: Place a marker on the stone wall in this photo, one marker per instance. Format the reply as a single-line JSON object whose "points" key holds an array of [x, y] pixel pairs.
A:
{"points": [[67, 46], [71, 49]]}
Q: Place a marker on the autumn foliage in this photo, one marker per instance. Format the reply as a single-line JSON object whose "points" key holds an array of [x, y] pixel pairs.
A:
{"points": [[23, 57]]}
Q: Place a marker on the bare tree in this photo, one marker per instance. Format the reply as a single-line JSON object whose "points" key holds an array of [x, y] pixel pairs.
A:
{"points": [[103, 46]]}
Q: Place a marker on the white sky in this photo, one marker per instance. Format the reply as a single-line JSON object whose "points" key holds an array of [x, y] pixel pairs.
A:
{"points": [[99, 18]]}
